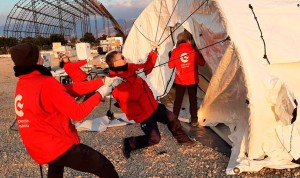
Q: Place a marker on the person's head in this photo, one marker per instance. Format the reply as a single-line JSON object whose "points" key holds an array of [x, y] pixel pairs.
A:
{"points": [[63, 58], [26, 54], [183, 37], [115, 59]]}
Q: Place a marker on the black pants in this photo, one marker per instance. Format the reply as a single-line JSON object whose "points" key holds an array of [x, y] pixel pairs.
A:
{"points": [[152, 134], [192, 90], [82, 158]]}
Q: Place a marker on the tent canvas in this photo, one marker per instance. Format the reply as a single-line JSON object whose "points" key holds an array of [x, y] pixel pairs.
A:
{"points": [[253, 98]]}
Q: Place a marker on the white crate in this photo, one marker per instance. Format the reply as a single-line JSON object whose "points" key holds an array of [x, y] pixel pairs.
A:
{"points": [[83, 51]]}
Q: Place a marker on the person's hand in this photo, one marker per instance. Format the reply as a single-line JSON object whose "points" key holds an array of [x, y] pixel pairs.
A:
{"points": [[170, 54], [140, 73], [115, 81], [154, 45], [104, 90]]}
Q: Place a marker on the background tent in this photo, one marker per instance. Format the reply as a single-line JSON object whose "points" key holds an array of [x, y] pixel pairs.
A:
{"points": [[254, 99]]}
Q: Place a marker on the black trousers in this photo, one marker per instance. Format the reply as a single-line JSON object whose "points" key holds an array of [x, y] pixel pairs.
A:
{"points": [[82, 158], [192, 90], [152, 134]]}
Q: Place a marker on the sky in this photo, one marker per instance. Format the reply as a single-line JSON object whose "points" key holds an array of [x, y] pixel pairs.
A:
{"points": [[120, 9]]}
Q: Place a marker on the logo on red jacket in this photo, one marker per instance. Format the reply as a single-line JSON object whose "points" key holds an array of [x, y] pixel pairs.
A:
{"points": [[184, 57], [19, 105]]}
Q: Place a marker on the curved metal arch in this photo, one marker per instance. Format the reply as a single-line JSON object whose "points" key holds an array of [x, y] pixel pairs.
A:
{"points": [[29, 18]]}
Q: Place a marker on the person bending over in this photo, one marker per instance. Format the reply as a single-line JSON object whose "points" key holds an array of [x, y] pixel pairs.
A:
{"points": [[43, 110]]}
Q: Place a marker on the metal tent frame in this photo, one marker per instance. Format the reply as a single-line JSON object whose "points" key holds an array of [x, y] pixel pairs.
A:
{"points": [[32, 18]]}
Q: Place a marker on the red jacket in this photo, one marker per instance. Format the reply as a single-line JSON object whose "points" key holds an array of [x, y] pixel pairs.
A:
{"points": [[43, 109], [134, 96], [186, 59], [74, 71]]}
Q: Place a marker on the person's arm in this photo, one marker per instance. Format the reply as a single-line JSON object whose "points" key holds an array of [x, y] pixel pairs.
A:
{"points": [[199, 59], [79, 63], [82, 88], [149, 64], [54, 95]]}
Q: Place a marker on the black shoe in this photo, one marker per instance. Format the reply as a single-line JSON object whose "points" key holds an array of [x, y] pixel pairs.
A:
{"points": [[126, 148]]}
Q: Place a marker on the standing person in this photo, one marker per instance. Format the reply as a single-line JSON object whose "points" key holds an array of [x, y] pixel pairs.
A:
{"points": [[186, 59], [73, 68], [43, 109], [138, 103]]}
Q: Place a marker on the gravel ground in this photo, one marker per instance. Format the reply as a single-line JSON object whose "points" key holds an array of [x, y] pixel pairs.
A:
{"points": [[167, 159]]}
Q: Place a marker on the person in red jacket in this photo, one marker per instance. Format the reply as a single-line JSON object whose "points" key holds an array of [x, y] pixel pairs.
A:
{"points": [[138, 103], [185, 58], [43, 110], [73, 68]]}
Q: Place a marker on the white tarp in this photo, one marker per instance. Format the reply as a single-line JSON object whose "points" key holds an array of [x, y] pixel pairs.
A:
{"points": [[254, 99], [100, 124]]}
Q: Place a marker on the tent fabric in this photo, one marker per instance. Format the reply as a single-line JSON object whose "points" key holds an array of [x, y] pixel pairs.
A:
{"points": [[100, 124], [253, 98]]}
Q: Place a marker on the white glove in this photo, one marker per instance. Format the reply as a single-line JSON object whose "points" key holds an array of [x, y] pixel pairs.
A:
{"points": [[140, 73], [112, 81], [104, 90], [117, 82]]}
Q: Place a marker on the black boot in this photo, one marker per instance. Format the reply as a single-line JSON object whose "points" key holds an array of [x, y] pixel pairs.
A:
{"points": [[126, 148]]}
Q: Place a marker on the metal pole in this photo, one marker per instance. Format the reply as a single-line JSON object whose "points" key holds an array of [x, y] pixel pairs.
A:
{"points": [[36, 27], [96, 28]]}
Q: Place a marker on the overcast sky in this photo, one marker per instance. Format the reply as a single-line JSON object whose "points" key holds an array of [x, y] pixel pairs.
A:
{"points": [[120, 9]]}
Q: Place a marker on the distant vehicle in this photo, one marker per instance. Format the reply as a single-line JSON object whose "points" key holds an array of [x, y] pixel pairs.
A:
{"points": [[111, 43], [103, 49]]}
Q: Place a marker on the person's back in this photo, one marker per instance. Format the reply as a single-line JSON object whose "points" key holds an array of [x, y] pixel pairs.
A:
{"points": [[185, 59], [43, 110], [43, 128]]}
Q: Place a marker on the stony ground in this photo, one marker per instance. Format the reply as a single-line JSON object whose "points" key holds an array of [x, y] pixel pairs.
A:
{"points": [[167, 159]]}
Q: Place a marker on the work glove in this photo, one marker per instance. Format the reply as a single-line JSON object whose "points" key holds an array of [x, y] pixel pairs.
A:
{"points": [[104, 90], [113, 81], [140, 73]]}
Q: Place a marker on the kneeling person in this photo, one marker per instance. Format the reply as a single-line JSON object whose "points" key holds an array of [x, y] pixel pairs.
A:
{"points": [[138, 103]]}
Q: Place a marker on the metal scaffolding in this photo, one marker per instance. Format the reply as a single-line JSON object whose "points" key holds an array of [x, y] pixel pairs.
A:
{"points": [[32, 18]]}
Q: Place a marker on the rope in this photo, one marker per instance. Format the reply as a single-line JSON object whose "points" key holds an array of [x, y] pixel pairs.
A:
{"points": [[158, 19], [261, 35], [11, 127], [183, 21], [173, 71], [168, 21], [142, 33], [222, 41], [162, 79]]}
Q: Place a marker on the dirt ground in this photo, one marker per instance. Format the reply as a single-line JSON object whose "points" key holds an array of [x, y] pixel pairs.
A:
{"points": [[167, 159]]}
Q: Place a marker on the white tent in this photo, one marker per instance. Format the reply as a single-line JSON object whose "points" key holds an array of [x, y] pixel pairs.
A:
{"points": [[253, 98]]}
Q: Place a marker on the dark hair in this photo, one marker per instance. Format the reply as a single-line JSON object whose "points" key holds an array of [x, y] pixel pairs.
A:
{"points": [[109, 58]]}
